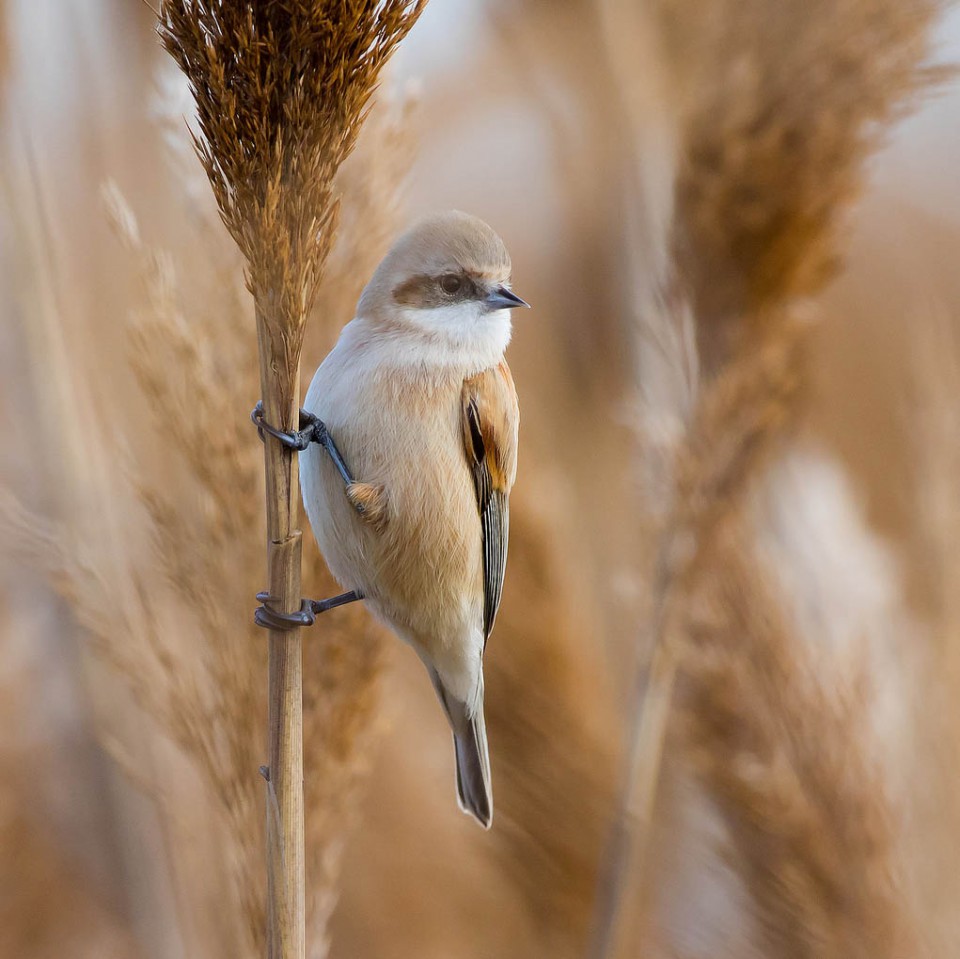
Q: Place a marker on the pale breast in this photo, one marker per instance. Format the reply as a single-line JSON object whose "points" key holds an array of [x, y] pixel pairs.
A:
{"points": [[423, 570]]}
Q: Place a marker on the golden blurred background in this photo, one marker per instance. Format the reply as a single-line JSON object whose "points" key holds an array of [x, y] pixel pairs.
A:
{"points": [[738, 223]]}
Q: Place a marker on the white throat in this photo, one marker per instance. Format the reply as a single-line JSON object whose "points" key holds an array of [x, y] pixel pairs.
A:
{"points": [[461, 334]]}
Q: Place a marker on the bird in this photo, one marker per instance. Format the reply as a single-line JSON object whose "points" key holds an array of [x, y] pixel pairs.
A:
{"points": [[418, 400]]}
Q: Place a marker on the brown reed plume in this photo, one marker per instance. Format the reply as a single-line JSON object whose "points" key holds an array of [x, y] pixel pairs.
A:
{"points": [[736, 427], [780, 106], [281, 91], [770, 155], [782, 747]]}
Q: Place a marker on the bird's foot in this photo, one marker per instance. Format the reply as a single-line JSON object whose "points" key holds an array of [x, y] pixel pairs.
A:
{"points": [[312, 430], [269, 618]]}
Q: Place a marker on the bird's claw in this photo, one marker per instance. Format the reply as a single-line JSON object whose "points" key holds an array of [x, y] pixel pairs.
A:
{"points": [[313, 432], [270, 618]]}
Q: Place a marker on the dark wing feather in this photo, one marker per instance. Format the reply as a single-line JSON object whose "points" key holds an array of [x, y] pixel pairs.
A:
{"points": [[493, 504]]}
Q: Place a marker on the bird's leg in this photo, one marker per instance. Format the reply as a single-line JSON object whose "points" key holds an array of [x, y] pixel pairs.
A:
{"points": [[269, 618], [312, 430], [368, 499]]}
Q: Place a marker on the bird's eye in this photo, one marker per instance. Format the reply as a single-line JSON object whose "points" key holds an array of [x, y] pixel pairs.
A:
{"points": [[450, 283]]}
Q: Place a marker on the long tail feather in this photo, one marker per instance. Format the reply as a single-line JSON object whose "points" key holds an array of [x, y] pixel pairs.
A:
{"points": [[474, 792], [473, 771]]}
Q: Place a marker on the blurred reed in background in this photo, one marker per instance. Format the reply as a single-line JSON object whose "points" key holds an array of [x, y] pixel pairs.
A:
{"points": [[675, 183]]}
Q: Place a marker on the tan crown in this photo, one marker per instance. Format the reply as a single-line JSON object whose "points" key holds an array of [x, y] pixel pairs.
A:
{"points": [[452, 242]]}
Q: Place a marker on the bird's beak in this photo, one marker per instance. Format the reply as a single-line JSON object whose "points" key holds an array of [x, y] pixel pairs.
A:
{"points": [[503, 299]]}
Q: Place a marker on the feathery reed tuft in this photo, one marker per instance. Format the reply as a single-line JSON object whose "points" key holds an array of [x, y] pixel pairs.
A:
{"points": [[780, 104], [781, 749], [281, 90]]}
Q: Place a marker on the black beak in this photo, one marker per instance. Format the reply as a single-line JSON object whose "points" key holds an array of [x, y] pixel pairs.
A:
{"points": [[503, 299]]}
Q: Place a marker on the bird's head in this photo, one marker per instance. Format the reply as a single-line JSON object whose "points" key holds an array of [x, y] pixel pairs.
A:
{"points": [[447, 278]]}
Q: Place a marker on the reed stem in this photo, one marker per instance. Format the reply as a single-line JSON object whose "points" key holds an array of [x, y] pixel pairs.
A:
{"points": [[285, 824]]}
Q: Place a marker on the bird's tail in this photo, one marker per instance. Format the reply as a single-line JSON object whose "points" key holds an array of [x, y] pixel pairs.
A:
{"points": [[474, 792]]}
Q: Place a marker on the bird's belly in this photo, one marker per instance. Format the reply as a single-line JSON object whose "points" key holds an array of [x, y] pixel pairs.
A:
{"points": [[422, 571]]}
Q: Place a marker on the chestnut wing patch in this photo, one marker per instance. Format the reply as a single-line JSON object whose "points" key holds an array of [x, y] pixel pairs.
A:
{"points": [[489, 435]]}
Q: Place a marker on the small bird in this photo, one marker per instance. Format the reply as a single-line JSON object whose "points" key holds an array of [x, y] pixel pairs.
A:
{"points": [[421, 405]]}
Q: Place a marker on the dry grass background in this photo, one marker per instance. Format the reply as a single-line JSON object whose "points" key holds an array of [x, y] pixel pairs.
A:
{"points": [[739, 435]]}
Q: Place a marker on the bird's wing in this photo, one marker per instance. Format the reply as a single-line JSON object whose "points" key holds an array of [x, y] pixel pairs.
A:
{"points": [[490, 423]]}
